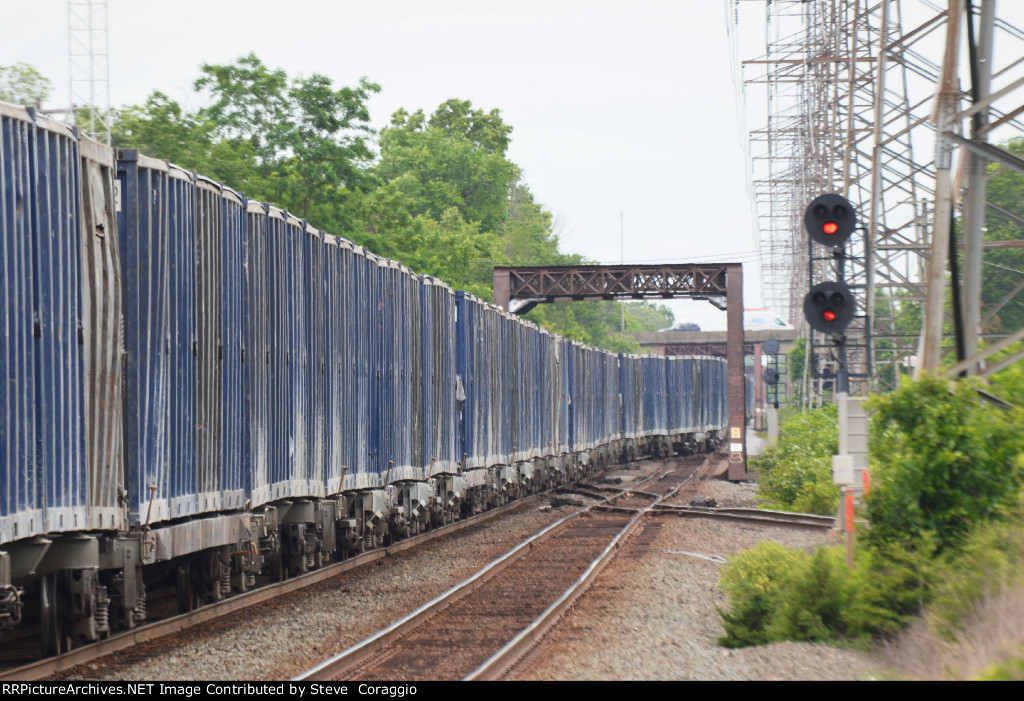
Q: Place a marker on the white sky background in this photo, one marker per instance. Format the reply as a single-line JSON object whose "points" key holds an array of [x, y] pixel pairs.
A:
{"points": [[616, 106]]}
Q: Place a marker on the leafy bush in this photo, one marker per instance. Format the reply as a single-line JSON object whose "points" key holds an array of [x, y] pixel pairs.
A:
{"points": [[893, 583], [796, 473], [780, 593], [942, 460], [946, 511], [752, 581]]}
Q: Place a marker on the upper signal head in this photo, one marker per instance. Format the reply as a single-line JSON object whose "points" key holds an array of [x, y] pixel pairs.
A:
{"points": [[830, 220]]}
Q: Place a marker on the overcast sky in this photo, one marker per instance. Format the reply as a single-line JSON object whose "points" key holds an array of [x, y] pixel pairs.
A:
{"points": [[617, 107]]}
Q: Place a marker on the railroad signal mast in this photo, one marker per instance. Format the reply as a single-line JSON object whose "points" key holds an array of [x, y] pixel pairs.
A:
{"points": [[830, 306]]}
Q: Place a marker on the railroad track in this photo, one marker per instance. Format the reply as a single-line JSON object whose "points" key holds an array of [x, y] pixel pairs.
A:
{"points": [[43, 668], [784, 518], [175, 624], [480, 627]]}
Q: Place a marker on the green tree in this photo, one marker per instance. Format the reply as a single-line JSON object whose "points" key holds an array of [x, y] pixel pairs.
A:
{"points": [[297, 142], [454, 159], [22, 84], [160, 127]]}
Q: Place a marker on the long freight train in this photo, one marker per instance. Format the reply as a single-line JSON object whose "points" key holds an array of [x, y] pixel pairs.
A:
{"points": [[199, 389]]}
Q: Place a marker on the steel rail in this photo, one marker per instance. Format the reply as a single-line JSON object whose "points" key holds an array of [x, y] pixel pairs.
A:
{"points": [[505, 658], [784, 518], [356, 654], [176, 624]]}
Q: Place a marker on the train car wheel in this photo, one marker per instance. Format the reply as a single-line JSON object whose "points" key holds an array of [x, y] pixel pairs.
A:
{"points": [[51, 630], [277, 572], [184, 589]]}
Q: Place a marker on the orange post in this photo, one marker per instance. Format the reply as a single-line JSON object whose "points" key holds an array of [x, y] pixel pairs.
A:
{"points": [[867, 481], [848, 524]]}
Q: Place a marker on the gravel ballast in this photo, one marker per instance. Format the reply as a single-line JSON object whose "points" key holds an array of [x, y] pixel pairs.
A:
{"points": [[652, 613]]}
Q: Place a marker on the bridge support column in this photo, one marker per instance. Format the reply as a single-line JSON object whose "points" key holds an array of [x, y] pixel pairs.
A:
{"points": [[502, 288], [737, 388]]}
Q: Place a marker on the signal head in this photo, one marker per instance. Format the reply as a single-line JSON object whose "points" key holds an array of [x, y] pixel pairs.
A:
{"points": [[830, 220], [829, 307]]}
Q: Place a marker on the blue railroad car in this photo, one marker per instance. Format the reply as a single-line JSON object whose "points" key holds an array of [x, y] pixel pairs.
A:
{"points": [[527, 420], [234, 400], [362, 331], [280, 377], [43, 461], [472, 381], [561, 395], [334, 354], [714, 395], [291, 472], [220, 334], [101, 335], [503, 360], [206, 389], [439, 393], [316, 361], [683, 408], [611, 421], [654, 395], [596, 398], [21, 502], [546, 391], [398, 328], [631, 397], [156, 225], [259, 353], [57, 322]]}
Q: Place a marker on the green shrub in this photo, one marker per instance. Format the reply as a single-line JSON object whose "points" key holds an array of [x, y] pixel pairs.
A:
{"points": [[942, 460], [893, 582], [751, 581], [780, 593], [813, 605], [796, 473], [946, 513], [777, 593]]}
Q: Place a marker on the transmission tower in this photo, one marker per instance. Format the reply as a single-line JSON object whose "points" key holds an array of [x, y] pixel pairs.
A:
{"points": [[866, 98], [88, 54]]}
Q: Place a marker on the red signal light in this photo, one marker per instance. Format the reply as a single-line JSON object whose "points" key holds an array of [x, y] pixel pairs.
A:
{"points": [[828, 315], [830, 227]]}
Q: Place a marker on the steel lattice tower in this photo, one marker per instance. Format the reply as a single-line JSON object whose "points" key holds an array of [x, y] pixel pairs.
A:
{"points": [[88, 56]]}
